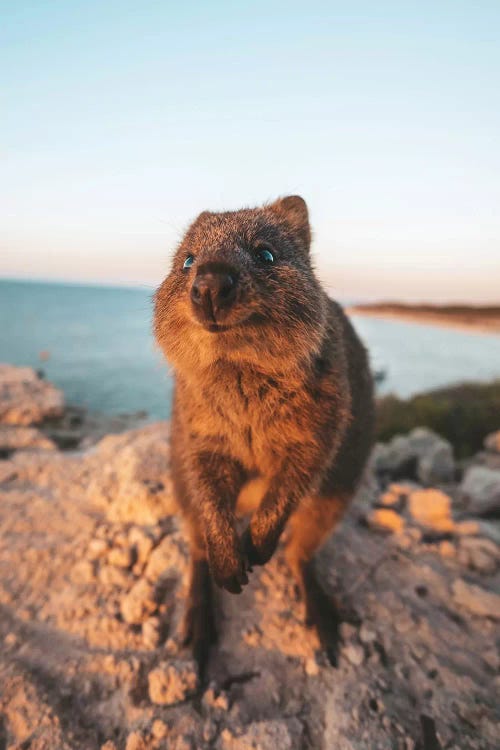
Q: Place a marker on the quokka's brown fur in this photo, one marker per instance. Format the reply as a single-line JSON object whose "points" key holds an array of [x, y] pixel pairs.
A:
{"points": [[271, 383]]}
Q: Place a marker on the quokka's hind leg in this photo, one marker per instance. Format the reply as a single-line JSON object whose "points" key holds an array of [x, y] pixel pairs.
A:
{"points": [[199, 628], [310, 526]]}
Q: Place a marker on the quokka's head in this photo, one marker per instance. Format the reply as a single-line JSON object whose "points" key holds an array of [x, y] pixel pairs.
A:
{"points": [[241, 286]]}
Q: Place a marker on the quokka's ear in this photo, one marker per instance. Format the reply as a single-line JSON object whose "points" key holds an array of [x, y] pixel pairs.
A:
{"points": [[293, 209]]}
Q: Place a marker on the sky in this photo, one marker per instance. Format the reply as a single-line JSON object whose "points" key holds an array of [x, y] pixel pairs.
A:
{"points": [[121, 121]]}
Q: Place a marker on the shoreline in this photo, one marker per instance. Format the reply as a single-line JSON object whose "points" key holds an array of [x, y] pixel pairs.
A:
{"points": [[472, 325]]}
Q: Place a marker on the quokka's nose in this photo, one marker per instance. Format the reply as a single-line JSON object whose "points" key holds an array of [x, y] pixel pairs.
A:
{"points": [[213, 290]]}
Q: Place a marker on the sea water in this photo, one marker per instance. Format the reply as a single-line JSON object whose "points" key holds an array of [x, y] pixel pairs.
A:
{"points": [[96, 344]]}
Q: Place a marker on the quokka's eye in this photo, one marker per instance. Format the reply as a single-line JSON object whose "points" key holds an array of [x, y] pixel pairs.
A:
{"points": [[188, 262], [264, 255]]}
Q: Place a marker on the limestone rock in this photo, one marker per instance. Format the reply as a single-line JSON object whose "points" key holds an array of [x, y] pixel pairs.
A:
{"points": [[13, 438], [172, 682], [476, 600], [139, 603], [431, 508], [386, 519], [479, 554], [133, 484], [480, 490], [421, 454], [26, 399]]}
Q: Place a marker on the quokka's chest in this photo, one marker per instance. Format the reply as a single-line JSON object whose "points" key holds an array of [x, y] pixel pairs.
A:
{"points": [[255, 417]]}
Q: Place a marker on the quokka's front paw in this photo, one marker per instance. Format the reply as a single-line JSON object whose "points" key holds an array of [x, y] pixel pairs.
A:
{"points": [[257, 551], [228, 567]]}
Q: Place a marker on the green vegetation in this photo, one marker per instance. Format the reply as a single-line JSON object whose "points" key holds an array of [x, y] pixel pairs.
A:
{"points": [[464, 414]]}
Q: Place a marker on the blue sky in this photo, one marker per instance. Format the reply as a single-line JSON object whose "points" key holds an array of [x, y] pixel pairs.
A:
{"points": [[121, 121]]}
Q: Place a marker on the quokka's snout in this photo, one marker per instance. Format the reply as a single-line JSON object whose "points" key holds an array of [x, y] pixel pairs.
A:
{"points": [[214, 291]]}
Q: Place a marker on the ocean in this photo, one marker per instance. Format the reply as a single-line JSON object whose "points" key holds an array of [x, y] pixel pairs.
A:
{"points": [[96, 344]]}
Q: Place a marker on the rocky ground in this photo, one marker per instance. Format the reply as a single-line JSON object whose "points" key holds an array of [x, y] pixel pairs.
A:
{"points": [[92, 562]]}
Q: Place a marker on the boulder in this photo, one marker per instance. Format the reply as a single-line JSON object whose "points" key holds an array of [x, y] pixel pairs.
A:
{"points": [[26, 399], [13, 438], [480, 491], [133, 483], [420, 455]]}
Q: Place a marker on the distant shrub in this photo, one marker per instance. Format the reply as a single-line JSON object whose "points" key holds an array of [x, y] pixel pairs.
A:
{"points": [[464, 414]]}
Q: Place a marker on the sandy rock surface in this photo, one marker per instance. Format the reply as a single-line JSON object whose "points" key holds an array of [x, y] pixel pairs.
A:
{"points": [[25, 398], [92, 584]]}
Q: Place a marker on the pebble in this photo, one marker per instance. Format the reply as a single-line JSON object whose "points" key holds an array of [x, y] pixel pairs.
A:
{"points": [[10, 639], [479, 554], [151, 632], [83, 572], [311, 667], [366, 634], [431, 508], [172, 682], [386, 519], [354, 653], [213, 700], [135, 741], [139, 603], [446, 549], [97, 548], [121, 557], [159, 729]]}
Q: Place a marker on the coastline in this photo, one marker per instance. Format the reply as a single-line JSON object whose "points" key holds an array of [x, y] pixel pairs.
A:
{"points": [[467, 323], [93, 565]]}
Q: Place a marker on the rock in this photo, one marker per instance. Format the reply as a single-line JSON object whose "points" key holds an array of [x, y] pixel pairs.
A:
{"points": [[431, 508], [152, 632], [490, 530], [480, 490], [311, 667], [97, 549], [159, 729], [492, 442], [386, 519], [135, 741], [167, 559], [467, 528], [133, 484], [396, 494], [172, 682], [83, 572], [121, 557], [26, 399], [479, 554], [366, 634], [354, 653], [216, 700], [13, 438], [259, 735], [436, 465], [142, 543], [139, 603], [422, 455], [447, 549], [476, 600]]}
